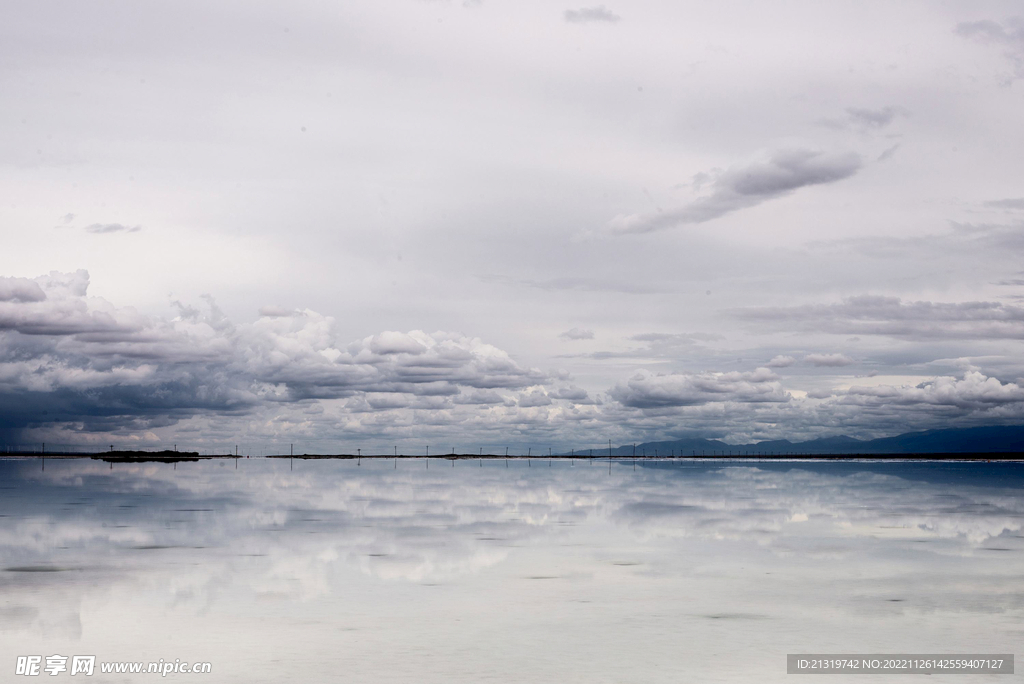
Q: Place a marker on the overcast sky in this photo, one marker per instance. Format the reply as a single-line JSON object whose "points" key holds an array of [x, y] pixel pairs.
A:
{"points": [[481, 223]]}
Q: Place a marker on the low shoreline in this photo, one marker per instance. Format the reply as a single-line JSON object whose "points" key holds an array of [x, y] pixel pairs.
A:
{"points": [[176, 456]]}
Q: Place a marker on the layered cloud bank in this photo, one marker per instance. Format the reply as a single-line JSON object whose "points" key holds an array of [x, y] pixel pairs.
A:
{"points": [[79, 370]]}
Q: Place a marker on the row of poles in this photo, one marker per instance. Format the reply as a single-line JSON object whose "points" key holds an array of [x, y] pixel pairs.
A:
{"points": [[529, 453]]}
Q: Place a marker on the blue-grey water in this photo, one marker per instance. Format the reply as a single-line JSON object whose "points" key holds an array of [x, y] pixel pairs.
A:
{"points": [[569, 572]]}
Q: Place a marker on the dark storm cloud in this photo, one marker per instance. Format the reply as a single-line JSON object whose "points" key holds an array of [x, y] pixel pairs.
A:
{"points": [[741, 187], [891, 316], [112, 228], [135, 377], [66, 358], [586, 15]]}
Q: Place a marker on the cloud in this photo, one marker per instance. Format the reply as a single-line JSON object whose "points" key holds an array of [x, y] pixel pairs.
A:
{"points": [[865, 118], [534, 398], [112, 228], [880, 315], [1010, 203], [647, 390], [77, 369], [782, 173], [1009, 34], [577, 334], [873, 118], [20, 290], [581, 284], [973, 392], [55, 305], [829, 360], [271, 311], [888, 153], [112, 368], [587, 15]]}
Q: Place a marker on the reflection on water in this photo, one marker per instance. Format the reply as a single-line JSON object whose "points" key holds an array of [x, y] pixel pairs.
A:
{"points": [[570, 572]]}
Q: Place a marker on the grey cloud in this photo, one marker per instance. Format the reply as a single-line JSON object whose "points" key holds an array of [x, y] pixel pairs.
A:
{"points": [[1010, 203], [741, 187], [111, 368], [580, 283], [658, 345], [54, 305], [647, 390], [1009, 34], [20, 290], [873, 118], [973, 392], [586, 15], [66, 376], [112, 228], [829, 360], [577, 334], [479, 397], [864, 118], [888, 153], [667, 346], [534, 398], [674, 339], [879, 315], [781, 361], [573, 393]]}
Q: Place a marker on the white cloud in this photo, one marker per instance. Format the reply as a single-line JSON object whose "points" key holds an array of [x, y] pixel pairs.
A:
{"points": [[111, 228]]}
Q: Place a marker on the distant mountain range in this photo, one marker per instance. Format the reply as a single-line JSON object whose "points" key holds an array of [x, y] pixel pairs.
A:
{"points": [[994, 439]]}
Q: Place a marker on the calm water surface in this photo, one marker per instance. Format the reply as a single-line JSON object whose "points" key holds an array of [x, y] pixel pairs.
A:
{"points": [[582, 572]]}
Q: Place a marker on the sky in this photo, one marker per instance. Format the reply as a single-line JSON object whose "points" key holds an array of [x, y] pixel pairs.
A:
{"points": [[482, 224]]}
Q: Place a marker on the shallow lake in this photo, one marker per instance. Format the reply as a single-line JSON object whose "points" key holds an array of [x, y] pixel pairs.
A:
{"points": [[577, 571]]}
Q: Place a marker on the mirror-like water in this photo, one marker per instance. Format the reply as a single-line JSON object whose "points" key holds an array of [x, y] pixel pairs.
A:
{"points": [[570, 572]]}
